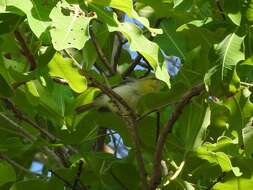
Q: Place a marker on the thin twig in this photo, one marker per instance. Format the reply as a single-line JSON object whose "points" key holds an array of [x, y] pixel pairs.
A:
{"points": [[195, 91], [78, 175], [100, 52], [25, 50], [132, 66]]}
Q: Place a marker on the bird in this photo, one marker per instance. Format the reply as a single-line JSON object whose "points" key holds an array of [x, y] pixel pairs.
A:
{"points": [[130, 90]]}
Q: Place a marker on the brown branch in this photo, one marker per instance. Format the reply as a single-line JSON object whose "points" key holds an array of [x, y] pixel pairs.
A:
{"points": [[78, 175], [132, 66], [100, 52], [25, 50], [128, 115], [195, 91]]}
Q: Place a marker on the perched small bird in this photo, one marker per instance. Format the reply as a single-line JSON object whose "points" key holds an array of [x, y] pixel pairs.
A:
{"points": [[131, 91]]}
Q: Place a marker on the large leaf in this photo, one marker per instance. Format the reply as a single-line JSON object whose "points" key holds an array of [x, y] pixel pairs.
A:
{"points": [[229, 51], [69, 26], [65, 69], [7, 173], [127, 7], [171, 41], [205, 152], [235, 184], [30, 185]]}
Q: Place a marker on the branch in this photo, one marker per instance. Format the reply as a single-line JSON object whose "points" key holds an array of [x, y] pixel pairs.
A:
{"points": [[25, 50], [195, 91], [100, 52], [128, 116], [78, 175], [132, 66]]}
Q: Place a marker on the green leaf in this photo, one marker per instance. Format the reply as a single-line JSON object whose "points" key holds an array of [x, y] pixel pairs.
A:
{"points": [[69, 26], [248, 138], [229, 51], [177, 2], [233, 11], [191, 128], [2, 5], [5, 89], [127, 7], [171, 41], [65, 69], [219, 158], [30, 185], [235, 184], [249, 13], [7, 173]]}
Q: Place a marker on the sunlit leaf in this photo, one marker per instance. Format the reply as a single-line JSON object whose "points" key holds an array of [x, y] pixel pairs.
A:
{"points": [[69, 26], [65, 69]]}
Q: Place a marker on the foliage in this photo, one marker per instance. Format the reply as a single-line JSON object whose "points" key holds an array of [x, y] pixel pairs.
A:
{"points": [[56, 56]]}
